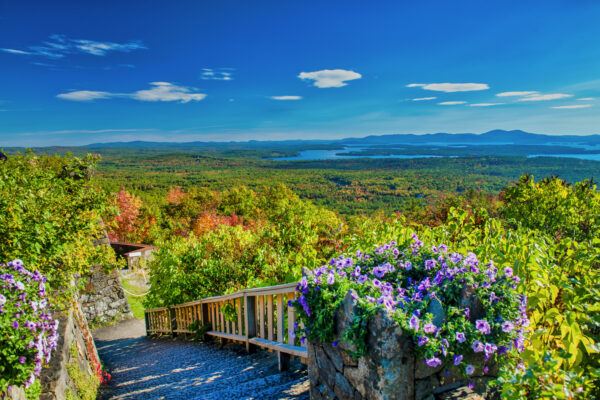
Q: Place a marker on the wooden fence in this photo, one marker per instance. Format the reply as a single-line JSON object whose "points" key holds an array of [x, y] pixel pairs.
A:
{"points": [[258, 317]]}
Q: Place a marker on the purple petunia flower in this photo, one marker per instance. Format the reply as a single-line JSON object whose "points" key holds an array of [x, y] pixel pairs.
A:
{"points": [[508, 271], [433, 362], [330, 279], [422, 340], [362, 279], [458, 359], [413, 322], [482, 326], [469, 369], [15, 325], [2, 300], [507, 327], [429, 328], [22, 360], [408, 265], [477, 346], [429, 264], [460, 337]]}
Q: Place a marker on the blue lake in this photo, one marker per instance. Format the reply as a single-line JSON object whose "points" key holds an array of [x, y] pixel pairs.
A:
{"points": [[333, 155]]}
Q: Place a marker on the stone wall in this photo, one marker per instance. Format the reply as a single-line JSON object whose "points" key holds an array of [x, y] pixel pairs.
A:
{"points": [[103, 299], [388, 370]]}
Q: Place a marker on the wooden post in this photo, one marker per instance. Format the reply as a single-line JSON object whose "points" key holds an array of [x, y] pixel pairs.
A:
{"points": [[283, 359], [239, 315], [250, 321], [173, 315], [146, 322], [261, 315], [291, 320], [205, 319]]}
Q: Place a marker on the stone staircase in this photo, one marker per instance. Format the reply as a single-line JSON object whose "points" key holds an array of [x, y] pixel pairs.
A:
{"points": [[166, 368]]}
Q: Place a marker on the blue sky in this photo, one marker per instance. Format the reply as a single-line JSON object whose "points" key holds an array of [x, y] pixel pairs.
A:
{"points": [[73, 72]]}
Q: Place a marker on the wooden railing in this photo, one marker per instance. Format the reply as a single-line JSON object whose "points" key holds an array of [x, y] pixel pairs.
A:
{"points": [[258, 317]]}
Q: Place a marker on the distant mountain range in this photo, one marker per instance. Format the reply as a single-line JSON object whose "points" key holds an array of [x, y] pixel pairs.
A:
{"points": [[492, 137]]}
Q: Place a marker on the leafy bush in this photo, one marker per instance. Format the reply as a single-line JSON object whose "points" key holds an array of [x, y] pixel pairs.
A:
{"points": [[409, 281], [279, 234], [555, 207], [50, 212], [27, 331]]}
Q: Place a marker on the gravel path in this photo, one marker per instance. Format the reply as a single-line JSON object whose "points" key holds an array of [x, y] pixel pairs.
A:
{"points": [[144, 368]]}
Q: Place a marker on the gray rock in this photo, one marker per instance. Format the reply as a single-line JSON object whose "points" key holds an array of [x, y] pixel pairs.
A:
{"points": [[436, 308], [343, 390], [469, 299]]}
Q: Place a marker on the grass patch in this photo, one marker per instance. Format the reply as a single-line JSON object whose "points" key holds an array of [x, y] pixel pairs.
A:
{"points": [[135, 302], [86, 386]]}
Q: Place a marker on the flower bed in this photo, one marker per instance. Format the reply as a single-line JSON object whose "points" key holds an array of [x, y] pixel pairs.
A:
{"points": [[28, 333], [453, 307]]}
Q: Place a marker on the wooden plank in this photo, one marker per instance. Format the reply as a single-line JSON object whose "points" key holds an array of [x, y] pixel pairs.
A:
{"points": [[229, 336], [270, 317], [291, 320], [280, 318], [284, 348], [222, 326], [261, 314], [239, 315], [249, 321]]}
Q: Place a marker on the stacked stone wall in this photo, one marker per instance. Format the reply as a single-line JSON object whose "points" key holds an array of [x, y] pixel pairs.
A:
{"points": [[390, 368], [103, 300]]}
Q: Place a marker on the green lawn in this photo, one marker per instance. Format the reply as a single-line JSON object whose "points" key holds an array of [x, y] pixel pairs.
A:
{"points": [[135, 302]]}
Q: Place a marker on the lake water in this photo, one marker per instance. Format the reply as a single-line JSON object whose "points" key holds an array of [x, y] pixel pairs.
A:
{"points": [[333, 155], [593, 157], [338, 154]]}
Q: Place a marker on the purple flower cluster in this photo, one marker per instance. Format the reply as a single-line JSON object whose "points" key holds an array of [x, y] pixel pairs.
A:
{"points": [[406, 281], [26, 322]]}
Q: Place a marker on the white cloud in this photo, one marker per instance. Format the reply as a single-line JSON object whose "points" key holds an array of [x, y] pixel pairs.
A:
{"points": [[451, 87], [573, 106], [328, 78], [165, 91], [424, 98], [524, 93], [545, 97], [485, 104], [101, 48], [216, 74], [13, 51], [59, 45], [286, 97], [84, 95], [587, 99], [160, 91], [451, 103]]}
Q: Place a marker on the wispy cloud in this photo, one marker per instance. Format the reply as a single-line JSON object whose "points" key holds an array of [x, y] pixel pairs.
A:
{"points": [[570, 107], [485, 104], [451, 103], [523, 93], [84, 95], [545, 97], [587, 99], [13, 51], [328, 78], [286, 97], [216, 74], [451, 87], [424, 98], [160, 91], [58, 46]]}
